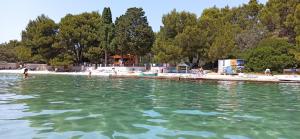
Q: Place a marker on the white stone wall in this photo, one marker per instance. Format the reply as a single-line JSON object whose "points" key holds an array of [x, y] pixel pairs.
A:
{"points": [[9, 66], [120, 69]]}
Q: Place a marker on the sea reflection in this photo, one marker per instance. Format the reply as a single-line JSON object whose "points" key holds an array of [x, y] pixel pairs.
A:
{"points": [[228, 95]]}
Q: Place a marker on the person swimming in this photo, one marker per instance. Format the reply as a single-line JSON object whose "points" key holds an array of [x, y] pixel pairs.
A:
{"points": [[25, 73]]}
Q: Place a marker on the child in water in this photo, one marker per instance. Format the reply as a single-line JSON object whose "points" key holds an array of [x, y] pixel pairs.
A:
{"points": [[25, 73]]}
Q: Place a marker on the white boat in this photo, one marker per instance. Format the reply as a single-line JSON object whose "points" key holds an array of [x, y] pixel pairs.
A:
{"points": [[148, 74]]}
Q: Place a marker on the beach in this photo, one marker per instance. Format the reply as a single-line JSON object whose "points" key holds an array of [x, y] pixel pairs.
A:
{"points": [[173, 76]]}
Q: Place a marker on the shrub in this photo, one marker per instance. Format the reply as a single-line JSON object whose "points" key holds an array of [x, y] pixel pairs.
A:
{"points": [[272, 53]]}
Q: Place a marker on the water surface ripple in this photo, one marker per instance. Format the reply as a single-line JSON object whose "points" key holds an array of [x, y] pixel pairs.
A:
{"points": [[56, 106]]}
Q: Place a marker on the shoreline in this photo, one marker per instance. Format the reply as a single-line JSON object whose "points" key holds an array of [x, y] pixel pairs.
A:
{"points": [[173, 76]]}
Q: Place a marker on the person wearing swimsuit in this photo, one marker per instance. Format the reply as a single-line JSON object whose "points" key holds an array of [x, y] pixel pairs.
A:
{"points": [[25, 73]]}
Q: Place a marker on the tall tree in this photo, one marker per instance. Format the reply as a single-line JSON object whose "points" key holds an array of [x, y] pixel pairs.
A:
{"points": [[210, 23], [23, 53], [39, 36], [175, 22], [7, 51], [220, 28], [297, 24], [107, 32], [79, 32], [166, 51], [249, 38], [133, 32], [224, 44], [295, 21], [252, 31], [178, 35], [140, 32], [277, 15], [191, 42], [106, 15], [120, 42]]}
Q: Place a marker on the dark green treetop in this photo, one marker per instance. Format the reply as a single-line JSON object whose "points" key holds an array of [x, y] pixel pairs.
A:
{"points": [[39, 36]]}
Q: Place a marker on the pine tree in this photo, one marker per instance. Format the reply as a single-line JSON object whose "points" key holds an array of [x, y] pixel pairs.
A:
{"points": [[107, 32]]}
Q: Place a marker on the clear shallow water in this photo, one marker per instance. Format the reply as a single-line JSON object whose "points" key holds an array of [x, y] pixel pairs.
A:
{"points": [[79, 107]]}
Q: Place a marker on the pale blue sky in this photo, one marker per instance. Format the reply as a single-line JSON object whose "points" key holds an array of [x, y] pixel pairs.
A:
{"points": [[15, 14]]}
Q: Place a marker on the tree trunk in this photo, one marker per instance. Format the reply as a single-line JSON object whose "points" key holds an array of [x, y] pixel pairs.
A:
{"points": [[198, 61], [140, 59], [136, 59], [105, 55], [191, 59], [80, 56], [75, 51], [121, 58]]}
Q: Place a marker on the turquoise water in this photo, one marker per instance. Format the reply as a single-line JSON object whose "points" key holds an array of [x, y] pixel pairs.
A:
{"points": [[60, 107]]}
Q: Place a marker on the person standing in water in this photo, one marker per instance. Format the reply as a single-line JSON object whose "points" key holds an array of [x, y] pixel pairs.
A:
{"points": [[25, 73], [90, 74]]}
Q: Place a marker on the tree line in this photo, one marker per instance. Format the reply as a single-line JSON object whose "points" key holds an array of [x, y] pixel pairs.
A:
{"points": [[87, 37], [266, 36]]}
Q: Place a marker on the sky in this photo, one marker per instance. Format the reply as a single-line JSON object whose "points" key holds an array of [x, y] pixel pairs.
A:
{"points": [[15, 14]]}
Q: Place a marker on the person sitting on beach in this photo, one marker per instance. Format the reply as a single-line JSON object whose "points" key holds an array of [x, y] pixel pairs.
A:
{"points": [[268, 72], [294, 70], [25, 73], [113, 69], [200, 71]]}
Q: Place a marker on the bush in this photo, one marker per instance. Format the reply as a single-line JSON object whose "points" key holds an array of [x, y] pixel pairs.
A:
{"points": [[272, 53], [62, 61]]}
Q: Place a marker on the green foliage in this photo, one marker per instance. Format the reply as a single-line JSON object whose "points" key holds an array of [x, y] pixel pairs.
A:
{"points": [[106, 34], [250, 38], [211, 22], [272, 53], [166, 52], [7, 51], [226, 32], [119, 42], [23, 53], [191, 42], [277, 17], [37, 59], [62, 60], [297, 25], [179, 38], [220, 32], [79, 32], [39, 36], [106, 16], [7, 54], [94, 54], [267, 36], [253, 8], [132, 33], [296, 52], [175, 22], [224, 44]]}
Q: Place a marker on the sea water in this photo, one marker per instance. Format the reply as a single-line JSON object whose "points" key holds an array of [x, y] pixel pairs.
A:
{"points": [[58, 106]]}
